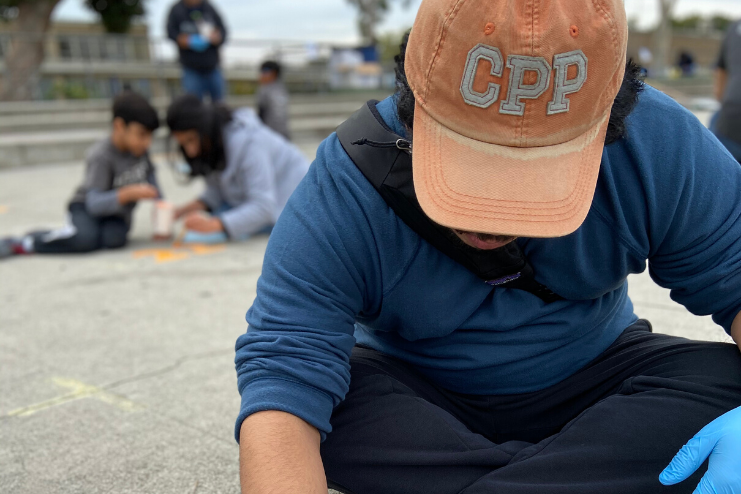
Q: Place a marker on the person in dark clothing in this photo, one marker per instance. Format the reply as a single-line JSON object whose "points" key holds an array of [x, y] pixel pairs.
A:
{"points": [[443, 304], [118, 174], [272, 99], [726, 124], [686, 63], [199, 32]]}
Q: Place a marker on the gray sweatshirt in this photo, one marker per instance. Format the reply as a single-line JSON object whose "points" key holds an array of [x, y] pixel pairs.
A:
{"points": [[106, 170], [272, 107], [262, 170]]}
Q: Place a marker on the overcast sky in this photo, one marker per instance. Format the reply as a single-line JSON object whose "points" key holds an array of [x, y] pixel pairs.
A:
{"points": [[334, 20]]}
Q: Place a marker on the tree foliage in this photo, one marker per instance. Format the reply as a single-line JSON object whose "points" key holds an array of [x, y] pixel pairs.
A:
{"points": [[697, 22], [116, 15], [689, 22], [9, 10], [721, 22], [32, 19], [370, 14]]}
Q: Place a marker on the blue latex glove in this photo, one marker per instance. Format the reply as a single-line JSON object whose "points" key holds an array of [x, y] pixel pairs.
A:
{"points": [[192, 237], [198, 43], [721, 440]]}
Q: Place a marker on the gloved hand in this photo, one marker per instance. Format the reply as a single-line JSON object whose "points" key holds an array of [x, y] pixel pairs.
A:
{"points": [[721, 439], [198, 43]]}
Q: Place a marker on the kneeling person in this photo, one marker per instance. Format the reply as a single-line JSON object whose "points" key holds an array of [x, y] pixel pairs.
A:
{"points": [[250, 171], [118, 174]]}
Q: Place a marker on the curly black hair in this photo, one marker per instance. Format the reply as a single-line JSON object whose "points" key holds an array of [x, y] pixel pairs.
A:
{"points": [[624, 103]]}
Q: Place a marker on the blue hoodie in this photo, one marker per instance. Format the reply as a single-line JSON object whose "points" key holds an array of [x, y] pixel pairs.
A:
{"points": [[342, 268]]}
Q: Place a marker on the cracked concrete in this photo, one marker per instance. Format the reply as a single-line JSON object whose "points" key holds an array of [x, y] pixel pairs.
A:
{"points": [[159, 335]]}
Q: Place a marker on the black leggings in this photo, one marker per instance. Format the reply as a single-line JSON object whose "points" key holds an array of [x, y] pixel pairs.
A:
{"points": [[610, 429], [86, 233]]}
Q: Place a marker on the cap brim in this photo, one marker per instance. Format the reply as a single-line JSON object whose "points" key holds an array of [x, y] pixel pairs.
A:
{"points": [[476, 186]]}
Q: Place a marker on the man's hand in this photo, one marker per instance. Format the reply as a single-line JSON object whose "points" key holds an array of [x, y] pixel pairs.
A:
{"points": [[279, 452], [183, 41], [721, 440], [201, 223], [215, 37], [136, 192]]}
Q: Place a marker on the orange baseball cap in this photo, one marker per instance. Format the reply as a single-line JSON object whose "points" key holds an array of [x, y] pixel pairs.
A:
{"points": [[513, 98]]}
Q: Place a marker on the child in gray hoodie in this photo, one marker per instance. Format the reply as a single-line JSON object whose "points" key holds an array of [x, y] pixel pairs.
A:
{"points": [[118, 174], [250, 171]]}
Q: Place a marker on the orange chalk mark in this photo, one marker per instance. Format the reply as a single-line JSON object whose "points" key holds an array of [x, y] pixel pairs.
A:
{"points": [[178, 252], [202, 249]]}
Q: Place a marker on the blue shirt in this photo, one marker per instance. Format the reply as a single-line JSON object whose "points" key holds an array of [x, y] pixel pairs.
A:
{"points": [[342, 268]]}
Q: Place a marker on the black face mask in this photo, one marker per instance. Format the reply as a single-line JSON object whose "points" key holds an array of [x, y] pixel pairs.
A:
{"points": [[385, 160]]}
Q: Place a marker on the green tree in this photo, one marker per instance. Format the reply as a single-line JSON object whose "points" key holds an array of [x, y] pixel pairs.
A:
{"points": [[388, 45], [30, 20], [370, 14], [721, 22], [690, 22], [116, 16]]}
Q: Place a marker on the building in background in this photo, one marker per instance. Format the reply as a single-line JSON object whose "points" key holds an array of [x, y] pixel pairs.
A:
{"points": [[83, 61], [703, 46]]}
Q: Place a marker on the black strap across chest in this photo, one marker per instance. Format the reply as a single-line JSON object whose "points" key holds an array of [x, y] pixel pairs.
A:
{"points": [[385, 160]]}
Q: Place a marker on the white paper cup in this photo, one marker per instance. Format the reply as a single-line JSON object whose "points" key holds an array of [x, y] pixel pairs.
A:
{"points": [[163, 219]]}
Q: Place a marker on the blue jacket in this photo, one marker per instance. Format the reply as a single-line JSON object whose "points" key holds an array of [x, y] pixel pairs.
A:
{"points": [[342, 268]]}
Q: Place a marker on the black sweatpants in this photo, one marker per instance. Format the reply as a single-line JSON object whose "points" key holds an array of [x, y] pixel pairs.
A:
{"points": [[85, 234], [610, 428]]}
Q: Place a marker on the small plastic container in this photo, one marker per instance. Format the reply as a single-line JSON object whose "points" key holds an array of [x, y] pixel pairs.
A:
{"points": [[163, 220]]}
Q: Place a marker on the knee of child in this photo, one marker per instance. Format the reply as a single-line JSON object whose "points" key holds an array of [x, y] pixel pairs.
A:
{"points": [[86, 241], [114, 237]]}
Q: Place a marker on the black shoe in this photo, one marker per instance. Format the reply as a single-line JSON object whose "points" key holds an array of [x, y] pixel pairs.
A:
{"points": [[9, 246]]}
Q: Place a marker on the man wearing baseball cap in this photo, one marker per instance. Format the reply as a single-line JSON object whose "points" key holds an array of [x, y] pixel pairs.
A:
{"points": [[443, 304]]}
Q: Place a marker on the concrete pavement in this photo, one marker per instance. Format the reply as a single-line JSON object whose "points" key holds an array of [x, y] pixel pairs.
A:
{"points": [[116, 368]]}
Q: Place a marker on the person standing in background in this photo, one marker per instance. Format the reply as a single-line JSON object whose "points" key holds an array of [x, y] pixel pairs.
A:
{"points": [[727, 123], [197, 29], [272, 99]]}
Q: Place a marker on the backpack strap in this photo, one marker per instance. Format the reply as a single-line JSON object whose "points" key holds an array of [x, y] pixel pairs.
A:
{"points": [[385, 160]]}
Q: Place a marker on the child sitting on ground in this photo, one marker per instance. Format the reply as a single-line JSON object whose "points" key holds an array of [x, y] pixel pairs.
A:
{"points": [[118, 174]]}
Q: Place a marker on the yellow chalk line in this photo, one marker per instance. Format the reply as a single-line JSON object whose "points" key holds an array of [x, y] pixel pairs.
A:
{"points": [[3, 209], [79, 390]]}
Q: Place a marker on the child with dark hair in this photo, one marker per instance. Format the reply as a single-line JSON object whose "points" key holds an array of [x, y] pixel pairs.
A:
{"points": [[272, 98], [250, 171], [118, 174]]}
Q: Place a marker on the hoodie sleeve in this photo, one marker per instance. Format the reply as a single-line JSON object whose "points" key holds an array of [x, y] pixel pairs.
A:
{"points": [[173, 23], [321, 269], [692, 202], [152, 178], [100, 198], [256, 177]]}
